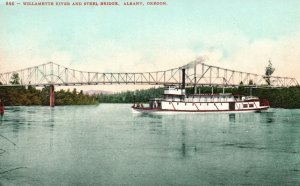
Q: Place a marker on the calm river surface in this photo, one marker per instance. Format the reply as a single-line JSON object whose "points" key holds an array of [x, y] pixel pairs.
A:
{"points": [[108, 145]]}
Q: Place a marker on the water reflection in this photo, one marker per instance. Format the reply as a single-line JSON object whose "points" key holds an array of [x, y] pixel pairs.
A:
{"points": [[170, 125], [108, 145], [183, 146], [51, 120], [270, 117], [267, 117], [2, 119], [232, 117], [147, 115], [51, 129]]}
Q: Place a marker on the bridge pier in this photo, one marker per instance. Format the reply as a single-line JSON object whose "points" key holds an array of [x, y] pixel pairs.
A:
{"points": [[51, 95]]}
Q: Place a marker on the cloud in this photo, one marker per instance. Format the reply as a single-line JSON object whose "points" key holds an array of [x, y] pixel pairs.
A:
{"points": [[232, 50], [284, 53]]}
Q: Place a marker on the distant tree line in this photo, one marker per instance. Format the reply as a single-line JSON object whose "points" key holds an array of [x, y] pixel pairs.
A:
{"points": [[288, 98], [278, 97], [21, 95], [32, 96], [141, 96]]}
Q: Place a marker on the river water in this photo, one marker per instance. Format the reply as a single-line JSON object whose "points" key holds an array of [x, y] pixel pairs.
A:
{"points": [[108, 145]]}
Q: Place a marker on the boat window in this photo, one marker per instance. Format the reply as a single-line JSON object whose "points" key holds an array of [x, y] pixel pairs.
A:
{"points": [[251, 105], [245, 105], [159, 105], [177, 103]]}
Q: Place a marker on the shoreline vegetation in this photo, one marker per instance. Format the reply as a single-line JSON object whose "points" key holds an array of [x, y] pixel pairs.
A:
{"points": [[22, 96], [28, 95], [288, 98]]}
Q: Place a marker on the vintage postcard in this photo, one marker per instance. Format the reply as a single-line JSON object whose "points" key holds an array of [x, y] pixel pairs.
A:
{"points": [[171, 92]]}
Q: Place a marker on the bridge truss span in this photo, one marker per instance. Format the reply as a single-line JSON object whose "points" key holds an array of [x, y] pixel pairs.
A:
{"points": [[197, 73]]}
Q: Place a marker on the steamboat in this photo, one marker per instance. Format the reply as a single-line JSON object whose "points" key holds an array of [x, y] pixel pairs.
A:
{"points": [[175, 100]]}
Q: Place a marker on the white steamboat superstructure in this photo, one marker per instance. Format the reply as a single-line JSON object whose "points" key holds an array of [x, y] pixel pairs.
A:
{"points": [[176, 100]]}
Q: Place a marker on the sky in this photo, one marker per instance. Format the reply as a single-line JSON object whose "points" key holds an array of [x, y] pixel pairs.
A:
{"points": [[236, 34]]}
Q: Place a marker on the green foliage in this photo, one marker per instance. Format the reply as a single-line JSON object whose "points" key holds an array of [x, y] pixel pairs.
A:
{"points": [[282, 97], [278, 98], [288, 98], [15, 79], [33, 96], [269, 71], [141, 96], [73, 98]]}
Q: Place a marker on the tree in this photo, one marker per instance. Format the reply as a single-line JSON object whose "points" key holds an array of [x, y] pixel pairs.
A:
{"points": [[269, 72], [74, 91], [15, 79]]}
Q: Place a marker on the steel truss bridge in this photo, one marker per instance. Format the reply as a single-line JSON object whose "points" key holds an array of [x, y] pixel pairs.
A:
{"points": [[197, 73]]}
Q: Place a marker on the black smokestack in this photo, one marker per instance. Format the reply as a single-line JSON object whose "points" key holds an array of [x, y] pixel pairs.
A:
{"points": [[183, 79]]}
